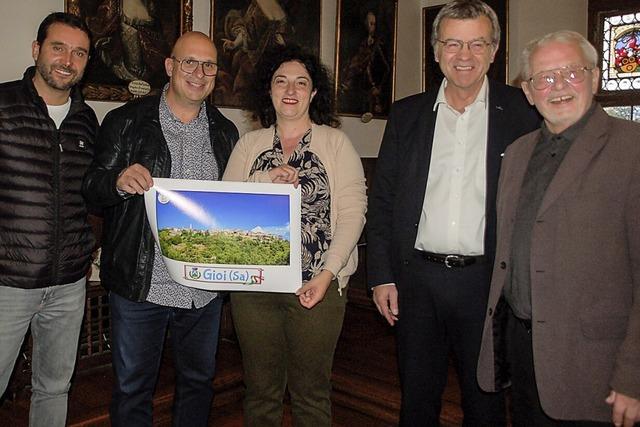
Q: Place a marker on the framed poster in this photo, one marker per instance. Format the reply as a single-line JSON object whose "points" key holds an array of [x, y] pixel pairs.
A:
{"points": [[228, 236], [244, 29], [130, 41], [365, 57], [432, 76]]}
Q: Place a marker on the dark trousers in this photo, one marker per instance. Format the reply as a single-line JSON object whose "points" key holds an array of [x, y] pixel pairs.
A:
{"points": [[525, 407], [285, 345], [441, 312], [138, 333]]}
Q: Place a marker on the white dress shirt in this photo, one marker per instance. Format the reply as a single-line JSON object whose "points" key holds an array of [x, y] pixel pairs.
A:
{"points": [[453, 213]]}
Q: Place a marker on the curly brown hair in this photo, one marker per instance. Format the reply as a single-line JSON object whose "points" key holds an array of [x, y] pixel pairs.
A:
{"points": [[258, 96]]}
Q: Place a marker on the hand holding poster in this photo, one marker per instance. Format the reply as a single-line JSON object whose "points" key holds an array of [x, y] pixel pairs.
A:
{"points": [[227, 236]]}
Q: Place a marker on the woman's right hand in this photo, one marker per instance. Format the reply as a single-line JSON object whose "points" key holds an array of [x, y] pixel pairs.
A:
{"points": [[284, 174]]}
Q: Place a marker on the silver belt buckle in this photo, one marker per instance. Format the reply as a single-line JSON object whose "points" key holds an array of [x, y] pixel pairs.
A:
{"points": [[451, 258]]}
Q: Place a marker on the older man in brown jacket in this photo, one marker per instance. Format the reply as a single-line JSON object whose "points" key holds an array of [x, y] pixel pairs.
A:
{"points": [[563, 317]]}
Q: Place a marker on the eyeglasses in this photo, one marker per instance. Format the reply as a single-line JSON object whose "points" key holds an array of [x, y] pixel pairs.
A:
{"points": [[476, 46], [189, 66], [571, 74]]}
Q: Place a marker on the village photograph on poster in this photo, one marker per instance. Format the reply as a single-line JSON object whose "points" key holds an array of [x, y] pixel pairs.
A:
{"points": [[227, 236]]}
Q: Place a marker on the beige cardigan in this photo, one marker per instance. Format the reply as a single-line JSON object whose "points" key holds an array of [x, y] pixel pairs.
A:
{"points": [[346, 183]]}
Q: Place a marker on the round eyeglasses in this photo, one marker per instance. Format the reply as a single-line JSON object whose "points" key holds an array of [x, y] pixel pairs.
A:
{"points": [[571, 74], [189, 66], [477, 46]]}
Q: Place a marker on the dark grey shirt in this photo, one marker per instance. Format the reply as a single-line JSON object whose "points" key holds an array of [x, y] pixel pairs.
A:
{"points": [[543, 165], [191, 158]]}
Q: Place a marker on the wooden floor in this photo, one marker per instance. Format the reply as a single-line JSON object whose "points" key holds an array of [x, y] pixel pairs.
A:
{"points": [[365, 381]]}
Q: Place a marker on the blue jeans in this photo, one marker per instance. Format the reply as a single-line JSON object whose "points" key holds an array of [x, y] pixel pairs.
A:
{"points": [[138, 334], [55, 315]]}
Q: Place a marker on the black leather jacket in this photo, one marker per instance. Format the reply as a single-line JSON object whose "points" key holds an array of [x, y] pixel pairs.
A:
{"points": [[45, 239], [132, 134]]}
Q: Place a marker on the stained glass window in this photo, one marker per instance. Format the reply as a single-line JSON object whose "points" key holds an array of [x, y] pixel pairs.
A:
{"points": [[627, 112], [621, 52], [614, 29]]}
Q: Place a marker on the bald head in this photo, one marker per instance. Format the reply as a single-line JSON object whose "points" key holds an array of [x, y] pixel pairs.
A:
{"points": [[191, 70], [193, 40]]}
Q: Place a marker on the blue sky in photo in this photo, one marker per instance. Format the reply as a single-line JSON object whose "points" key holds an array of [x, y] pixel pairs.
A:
{"points": [[204, 210]]}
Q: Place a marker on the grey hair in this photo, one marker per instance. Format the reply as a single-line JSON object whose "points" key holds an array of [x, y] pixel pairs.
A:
{"points": [[466, 9], [563, 36]]}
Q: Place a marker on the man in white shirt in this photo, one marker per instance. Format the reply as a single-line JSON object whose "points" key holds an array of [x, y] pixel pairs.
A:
{"points": [[431, 221]]}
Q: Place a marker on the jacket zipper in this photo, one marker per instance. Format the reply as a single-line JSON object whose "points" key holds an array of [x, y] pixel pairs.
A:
{"points": [[55, 259], [165, 172]]}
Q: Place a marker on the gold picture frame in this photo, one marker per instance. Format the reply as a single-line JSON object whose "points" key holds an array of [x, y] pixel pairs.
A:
{"points": [[130, 41], [365, 62]]}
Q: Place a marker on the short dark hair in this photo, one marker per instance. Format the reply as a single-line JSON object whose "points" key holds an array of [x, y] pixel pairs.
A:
{"points": [[466, 9], [69, 19], [258, 95]]}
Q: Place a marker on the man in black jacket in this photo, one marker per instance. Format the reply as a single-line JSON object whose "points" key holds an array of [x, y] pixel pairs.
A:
{"points": [[173, 135], [431, 219], [46, 144]]}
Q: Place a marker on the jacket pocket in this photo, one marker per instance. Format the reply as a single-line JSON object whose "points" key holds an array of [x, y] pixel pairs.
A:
{"points": [[605, 328]]}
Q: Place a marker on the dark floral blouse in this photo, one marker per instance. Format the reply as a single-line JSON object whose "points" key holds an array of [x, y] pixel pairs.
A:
{"points": [[316, 199]]}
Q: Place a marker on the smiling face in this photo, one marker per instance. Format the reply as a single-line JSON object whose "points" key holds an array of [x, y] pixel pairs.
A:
{"points": [[561, 104], [291, 91], [61, 59], [465, 70], [190, 88]]}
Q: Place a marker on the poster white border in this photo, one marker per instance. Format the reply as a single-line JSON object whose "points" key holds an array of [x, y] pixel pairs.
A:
{"points": [[227, 277]]}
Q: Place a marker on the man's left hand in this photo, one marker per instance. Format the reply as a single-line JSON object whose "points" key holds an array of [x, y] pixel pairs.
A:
{"points": [[314, 290], [625, 409]]}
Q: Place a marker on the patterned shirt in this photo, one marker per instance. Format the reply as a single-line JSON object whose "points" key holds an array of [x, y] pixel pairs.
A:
{"points": [[315, 218], [191, 158]]}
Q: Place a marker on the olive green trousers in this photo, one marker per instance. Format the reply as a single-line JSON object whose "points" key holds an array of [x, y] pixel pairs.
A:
{"points": [[286, 345]]}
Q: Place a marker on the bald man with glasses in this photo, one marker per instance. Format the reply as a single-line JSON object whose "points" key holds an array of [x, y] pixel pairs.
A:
{"points": [[565, 294], [175, 134]]}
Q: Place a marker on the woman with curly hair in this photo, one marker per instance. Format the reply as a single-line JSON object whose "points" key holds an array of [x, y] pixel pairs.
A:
{"points": [[289, 340]]}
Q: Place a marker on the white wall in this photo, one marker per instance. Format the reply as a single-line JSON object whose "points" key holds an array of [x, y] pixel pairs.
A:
{"points": [[19, 21], [529, 19]]}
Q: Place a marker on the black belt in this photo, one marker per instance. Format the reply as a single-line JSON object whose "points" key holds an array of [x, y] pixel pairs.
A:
{"points": [[452, 260]]}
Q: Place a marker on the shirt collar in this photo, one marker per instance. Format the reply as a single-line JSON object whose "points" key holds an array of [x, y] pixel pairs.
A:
{"points": [[164, 106], [481, 98]]}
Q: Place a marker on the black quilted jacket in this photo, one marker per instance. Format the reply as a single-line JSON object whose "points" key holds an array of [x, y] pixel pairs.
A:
{"points": [[45, 239]]}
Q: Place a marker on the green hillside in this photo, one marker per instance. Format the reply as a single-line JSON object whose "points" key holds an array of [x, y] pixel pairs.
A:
{"points": [[224, 247]]}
